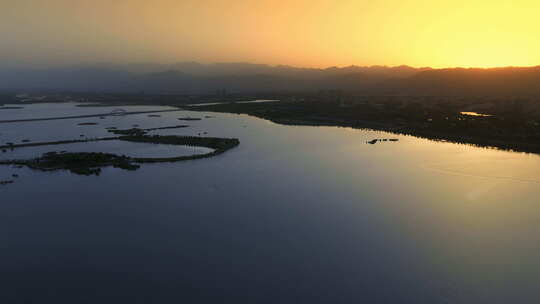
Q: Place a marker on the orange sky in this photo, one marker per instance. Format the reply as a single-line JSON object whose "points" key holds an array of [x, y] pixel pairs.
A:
{"points": [[316, 33]]}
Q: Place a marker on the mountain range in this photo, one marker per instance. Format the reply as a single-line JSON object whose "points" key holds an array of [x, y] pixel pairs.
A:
{"points": [[197, 78]]}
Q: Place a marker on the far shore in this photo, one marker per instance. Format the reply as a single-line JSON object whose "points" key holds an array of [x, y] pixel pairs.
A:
{"points": [[274, 114]]}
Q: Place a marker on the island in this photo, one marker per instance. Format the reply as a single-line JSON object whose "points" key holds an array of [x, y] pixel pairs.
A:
{"points": [[90, 163]]}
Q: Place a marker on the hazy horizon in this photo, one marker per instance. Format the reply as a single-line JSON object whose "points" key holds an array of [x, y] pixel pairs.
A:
{"points": [[300, 33], [98, 64]]}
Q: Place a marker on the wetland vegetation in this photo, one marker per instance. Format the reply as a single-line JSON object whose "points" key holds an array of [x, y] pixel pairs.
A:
{"points": [[510, 126], [83, 163], [90, 163], [138, 131], [376, 140], [10, 108], [87, 124]]}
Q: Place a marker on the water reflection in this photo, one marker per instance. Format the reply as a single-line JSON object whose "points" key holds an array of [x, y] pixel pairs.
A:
{"points": [[474, 114], [294, 214]]}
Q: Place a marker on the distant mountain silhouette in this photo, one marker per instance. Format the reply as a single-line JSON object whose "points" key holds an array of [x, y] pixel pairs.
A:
{"points": [[197, 78], [497, 81]]}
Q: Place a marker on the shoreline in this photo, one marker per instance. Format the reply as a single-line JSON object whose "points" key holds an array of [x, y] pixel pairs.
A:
{"points": [[89, 163], [394, 128], [434, 136], [86, 116]]}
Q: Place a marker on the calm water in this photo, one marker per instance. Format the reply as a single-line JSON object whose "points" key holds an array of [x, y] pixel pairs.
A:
{"points": [[293, 215]]}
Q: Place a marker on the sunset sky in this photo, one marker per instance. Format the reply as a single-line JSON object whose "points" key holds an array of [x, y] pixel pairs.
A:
{"points": [[313, 33]]}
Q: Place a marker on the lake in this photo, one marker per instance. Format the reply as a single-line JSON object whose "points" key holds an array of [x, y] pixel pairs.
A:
{"points": [[295, 214]]}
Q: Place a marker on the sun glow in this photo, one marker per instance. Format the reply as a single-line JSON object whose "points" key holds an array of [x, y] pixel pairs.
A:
{"points": [[321, 33], [482, 34]]}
